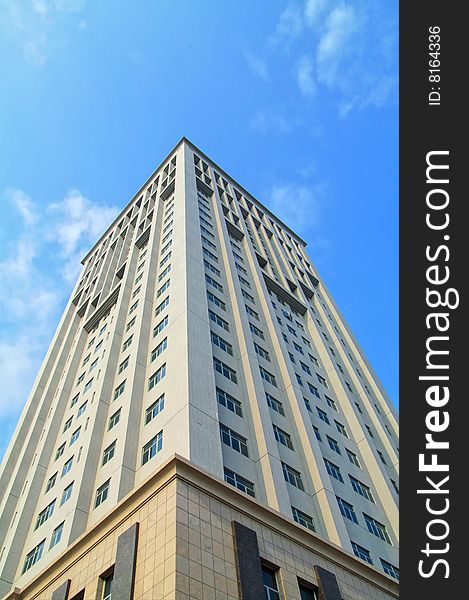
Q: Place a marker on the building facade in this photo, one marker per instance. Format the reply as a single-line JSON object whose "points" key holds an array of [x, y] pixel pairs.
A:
{"points": [[201, 342]]}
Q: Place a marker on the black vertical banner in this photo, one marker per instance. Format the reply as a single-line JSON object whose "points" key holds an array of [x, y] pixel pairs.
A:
{"points": [[434, 267]]}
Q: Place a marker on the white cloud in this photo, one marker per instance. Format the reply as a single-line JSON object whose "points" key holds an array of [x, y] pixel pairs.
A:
{"points": [[272, 120], [314, 9], [305, 76], [347, 50], [23, 204], [257, 65], [31, 23], [336, 43], [289, 27], [35, 277], [299, 205], [78, 223]]}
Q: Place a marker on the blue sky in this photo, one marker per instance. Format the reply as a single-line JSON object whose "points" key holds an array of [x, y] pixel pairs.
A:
{"points": [[296, 100]]}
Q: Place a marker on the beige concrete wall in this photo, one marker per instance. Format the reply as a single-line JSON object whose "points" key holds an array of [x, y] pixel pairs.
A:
{"points": [[186, 548]]}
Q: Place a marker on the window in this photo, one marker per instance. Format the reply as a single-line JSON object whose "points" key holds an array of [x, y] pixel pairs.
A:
{"points": [[161, 325], [225, 370], [380, 454], [361, 489], [261, 351], [349, 387], [248, 296], [353, 458], [90, 343], [362, 553], [93, 365], [213, 283], [119, 390], [305, 368], [74, 400], [302, 518], [239, 482], [317, 433], [82, 409], [244, 281], [152, 447], [88, 385], [161, 306], [330, 402], [347, 510], [229, 402], [109, 453], [154, 409], [218, 320], [67, 466], [56, 535], [292, 476], [221, 343], [164, 260], [314, 360], [66, 494], [256, 331], [127, 343], [322, 415], [377, 528], [394, 485], [124, 364], [333, 444], [163, 274], [85, 360], [333, 470], [114, 419], [209, 254], [102, 493], [208, 242], [80, 379], [103, 329], [107, 588], [358, 408], [216, 300], [60, 451], [307, 593], [321, 380], [135, 292], [68, 424], [211, 268], [291, 330], [45, 514], [283, 437], [33, 556], [314, 390], [163, 288], [274, 404], [233, 439], [267, 376], [51, 482], [98, 346], [156, 377], [340, 428], [251, 312], [159, 349], [270, 584], [390, 569], [75, 436], [298, 348]]}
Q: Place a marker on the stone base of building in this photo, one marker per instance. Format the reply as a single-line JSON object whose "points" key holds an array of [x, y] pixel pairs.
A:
{"points": [[186, 535]]}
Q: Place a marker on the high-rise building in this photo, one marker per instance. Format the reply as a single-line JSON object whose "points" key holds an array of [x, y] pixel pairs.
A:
{"points": [[204, 424]]}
